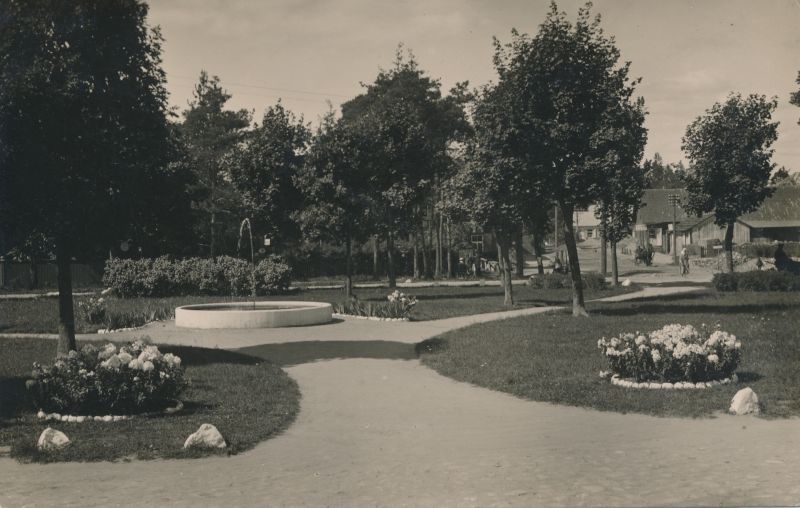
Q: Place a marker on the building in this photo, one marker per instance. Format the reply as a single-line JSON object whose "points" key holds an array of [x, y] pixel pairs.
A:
{"points": [[655, 217]]}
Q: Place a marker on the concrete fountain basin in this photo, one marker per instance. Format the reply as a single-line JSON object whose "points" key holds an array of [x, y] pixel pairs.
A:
{"points": [[253, 314]]}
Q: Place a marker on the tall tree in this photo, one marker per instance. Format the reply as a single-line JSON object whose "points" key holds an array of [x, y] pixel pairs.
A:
{"points": [[565, 90], [659, 175], [83, 128], [729, 148], [262, 171], [332, 183], [209, 133], [409, 125]]}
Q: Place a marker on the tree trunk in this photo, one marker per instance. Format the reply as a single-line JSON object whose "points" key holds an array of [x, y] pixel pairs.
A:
{"points": [[212, 241], [578, 305], [519, 254], [348, 283], [503, 250], [375, 257], [537, 251], [390, 259], [426, 271], [416, 254], [729, 248], [438, 268], [66, 312], [614, 269], [449, 252], [33, 272], [603, 255]]}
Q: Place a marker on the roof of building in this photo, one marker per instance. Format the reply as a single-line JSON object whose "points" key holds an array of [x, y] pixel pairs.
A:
{"points": [[656, 208], [781, 210]]}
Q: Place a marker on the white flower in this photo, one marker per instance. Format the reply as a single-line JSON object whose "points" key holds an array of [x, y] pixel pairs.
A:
{"points": [[147, 366], [640, 340], [135, 364], [713, 358], [656, 355], [111, 363], [124, 357]]}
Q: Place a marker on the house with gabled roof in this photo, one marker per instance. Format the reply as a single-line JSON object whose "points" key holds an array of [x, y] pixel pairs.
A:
{"points": [[776, 220], [655, 216]]}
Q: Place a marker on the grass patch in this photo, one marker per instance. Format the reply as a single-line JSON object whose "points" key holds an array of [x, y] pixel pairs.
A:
{"points": [[554, 358], [246, 398], [41, 315]]}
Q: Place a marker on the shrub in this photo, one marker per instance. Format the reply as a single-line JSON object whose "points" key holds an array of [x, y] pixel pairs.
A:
{"points": [[673, 353], [397, 306], [134, 379], [140, 317], [195, 276], [92, 310], [767, 280], [767, 250], [591, 280]]}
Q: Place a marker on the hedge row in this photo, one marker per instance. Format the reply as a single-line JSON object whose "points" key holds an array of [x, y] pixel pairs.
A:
{"points": [[591, 280], [767, 250], [768, 280], [195, 276]]}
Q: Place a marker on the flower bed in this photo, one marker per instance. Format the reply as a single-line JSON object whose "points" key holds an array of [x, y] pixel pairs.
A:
{"points": [[397, 307], [674, 354], [133, 379]]}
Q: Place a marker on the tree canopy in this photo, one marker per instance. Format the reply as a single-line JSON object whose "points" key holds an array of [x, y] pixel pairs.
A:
{"points": [[83, 120], [730, 151]]}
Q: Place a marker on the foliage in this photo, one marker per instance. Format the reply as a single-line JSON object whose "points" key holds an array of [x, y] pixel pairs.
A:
{"points": [[659, 175], [794, 98], [673, 353], [133, 379], [397, 306], [208, 134], [195, 276], [757, 280], [136, 318], [729, 148], [591, 280], [92, 310], [86, 146], [262, 171]]}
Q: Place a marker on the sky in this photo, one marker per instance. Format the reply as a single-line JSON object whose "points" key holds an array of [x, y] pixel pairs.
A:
{"points": [[308, 53]]}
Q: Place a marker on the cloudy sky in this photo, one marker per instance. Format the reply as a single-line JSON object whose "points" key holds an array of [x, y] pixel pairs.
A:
{"points": [[690, 54]]}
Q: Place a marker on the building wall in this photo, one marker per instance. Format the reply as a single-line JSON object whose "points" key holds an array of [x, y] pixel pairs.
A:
{"points": [[775, 235], [709, 232]]}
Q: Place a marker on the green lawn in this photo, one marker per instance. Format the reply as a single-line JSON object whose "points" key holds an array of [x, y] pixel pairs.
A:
{"points": [[554, 358], [41, 315], [246, 398]]}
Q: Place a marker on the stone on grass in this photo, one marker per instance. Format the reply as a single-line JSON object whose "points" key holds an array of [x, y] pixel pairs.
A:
{"points": [[626, 283], [52, 439], [108, 418], [667, 386], [745, 402], [207, 436], [107, 291]]}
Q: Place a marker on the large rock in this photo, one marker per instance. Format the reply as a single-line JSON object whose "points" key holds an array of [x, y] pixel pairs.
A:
{"points": [[745, 402], [52, 439], [207, 436], [626, 283]]}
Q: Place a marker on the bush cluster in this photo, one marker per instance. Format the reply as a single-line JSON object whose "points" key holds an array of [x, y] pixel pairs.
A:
{"points": [[673, 353], [195, 276], [767, 280], [133, 379], [591, 280], [397, 306]]}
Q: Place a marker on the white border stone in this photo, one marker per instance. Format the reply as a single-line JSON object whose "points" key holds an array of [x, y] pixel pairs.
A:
{"points": [[107, 418], [369, 318], [680, 385]]}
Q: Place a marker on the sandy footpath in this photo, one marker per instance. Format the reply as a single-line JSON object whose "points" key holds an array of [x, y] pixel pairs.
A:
{"points": [[380, 432]]}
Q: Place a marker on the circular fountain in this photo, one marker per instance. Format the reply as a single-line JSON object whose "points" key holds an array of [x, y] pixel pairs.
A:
{"points": [[253, 314]]}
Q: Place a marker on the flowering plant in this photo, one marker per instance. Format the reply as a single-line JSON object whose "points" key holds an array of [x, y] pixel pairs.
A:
{"points": [[92, 310], [136, 377], [402, 302], [398, 306], [673, 353]]}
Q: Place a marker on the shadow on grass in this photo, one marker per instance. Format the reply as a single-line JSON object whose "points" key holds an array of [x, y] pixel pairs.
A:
{"points": [[748, 377], [430, 346], [643, 309], [13, 396], [295, 353], [193, 356]]}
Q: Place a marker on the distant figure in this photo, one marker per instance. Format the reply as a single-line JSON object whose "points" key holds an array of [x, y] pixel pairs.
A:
{"points": [[782, 261], [684, 261], [759, 263]]}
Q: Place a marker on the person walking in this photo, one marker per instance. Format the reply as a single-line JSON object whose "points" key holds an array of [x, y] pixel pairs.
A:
{"points": [[684, 261]]}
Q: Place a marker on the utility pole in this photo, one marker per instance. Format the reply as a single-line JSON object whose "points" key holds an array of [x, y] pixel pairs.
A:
{"points": [[673, 200]]}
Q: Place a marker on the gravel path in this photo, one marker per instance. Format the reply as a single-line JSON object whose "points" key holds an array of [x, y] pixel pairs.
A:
{"points": [[386, 432]]}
